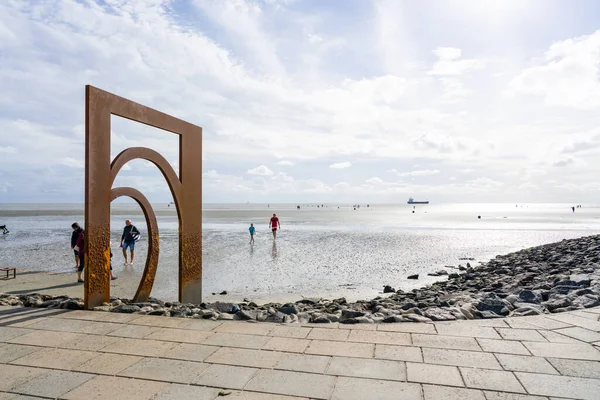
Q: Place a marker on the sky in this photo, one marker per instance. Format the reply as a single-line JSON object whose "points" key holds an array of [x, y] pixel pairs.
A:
{"points": [[312, 101]]}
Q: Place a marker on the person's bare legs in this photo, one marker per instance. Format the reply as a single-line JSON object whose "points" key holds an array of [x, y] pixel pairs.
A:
{"points": [[125, 255], [131, 252], [80, 269], [77, 261], [274, 235]]}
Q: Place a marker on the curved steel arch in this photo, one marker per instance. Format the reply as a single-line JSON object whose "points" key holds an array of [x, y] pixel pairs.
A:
{"points": [[155, 158], [143, 292]]}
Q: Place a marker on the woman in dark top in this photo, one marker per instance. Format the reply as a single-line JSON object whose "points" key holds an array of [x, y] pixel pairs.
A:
{"points": [[80, 246], [76, 231]]}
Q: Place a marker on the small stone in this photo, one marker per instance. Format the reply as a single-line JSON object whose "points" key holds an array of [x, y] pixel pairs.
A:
{"points": [[416, 318], [557, 302], [525, 311], [125, 309], [388, 289], [322, 319], [311, 301], [224, 292], [244, 315], [487, 314], [333, 317], [50, 304], [220, 306], [292, 309], [529, 296], [276, 317], [225, 316], [439, 314], [72, 305], [415, 276], [352, 314], [587, 301]]}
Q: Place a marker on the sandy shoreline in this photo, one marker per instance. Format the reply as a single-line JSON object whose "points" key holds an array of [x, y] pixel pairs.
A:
{"points": [[65, 284], [556, 277]]}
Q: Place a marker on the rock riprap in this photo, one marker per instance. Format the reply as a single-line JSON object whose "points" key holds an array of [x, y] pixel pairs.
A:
{"points": [[552, 278]]}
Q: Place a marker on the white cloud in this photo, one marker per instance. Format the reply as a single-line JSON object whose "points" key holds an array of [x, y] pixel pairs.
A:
{"points": [[285, 163], [72, 162], [563, 163], [314, 38], [447, 53], [423, 172], [314, 87], [567, 76], [375, 181], [449, 62], [262, 170], [341, 165]]}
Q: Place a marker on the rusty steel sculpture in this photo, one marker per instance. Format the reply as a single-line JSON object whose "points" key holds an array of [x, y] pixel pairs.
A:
{"points": [[100, 174]]}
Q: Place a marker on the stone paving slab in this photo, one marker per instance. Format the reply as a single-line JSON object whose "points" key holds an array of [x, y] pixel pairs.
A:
{"points": [[292, 383], [512, 362], [53, 384], [433, 392], [491, 380], [361, 368], [361, 389], [579, 333], [161, 369], [304, 363], [563, 386], [98, 355], [460, 358], [399, 353], [116, 388]]}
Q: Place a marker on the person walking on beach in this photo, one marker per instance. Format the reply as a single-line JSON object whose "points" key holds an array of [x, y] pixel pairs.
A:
{"points": [[74, 236], [251, 229], [274, 224], [80, 248], [128, 240], [112, 277]]}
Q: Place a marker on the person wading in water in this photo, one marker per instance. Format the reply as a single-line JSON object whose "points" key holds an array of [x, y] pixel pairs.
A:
{"points": [[274, 224]]}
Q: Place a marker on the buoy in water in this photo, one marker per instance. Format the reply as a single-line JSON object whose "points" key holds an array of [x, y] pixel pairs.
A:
{"points": [[479, 216]]}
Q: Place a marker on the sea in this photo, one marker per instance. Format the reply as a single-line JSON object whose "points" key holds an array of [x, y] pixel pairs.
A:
{"points": [[322, 250]]}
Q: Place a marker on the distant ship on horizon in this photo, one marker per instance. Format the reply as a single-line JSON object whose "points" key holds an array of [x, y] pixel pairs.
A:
{"points": [[411, 201]]}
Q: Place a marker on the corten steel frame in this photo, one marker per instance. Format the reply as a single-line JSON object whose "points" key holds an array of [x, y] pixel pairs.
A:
{"points": [[100, 175]]}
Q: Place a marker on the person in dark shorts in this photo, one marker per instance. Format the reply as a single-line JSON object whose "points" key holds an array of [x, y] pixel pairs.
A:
{"points": [[128, 240], [274, 224], [76, 231], [80, 247]]}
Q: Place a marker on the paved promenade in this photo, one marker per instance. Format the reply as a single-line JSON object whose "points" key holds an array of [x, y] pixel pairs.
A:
{"points": [[97, 355]]}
